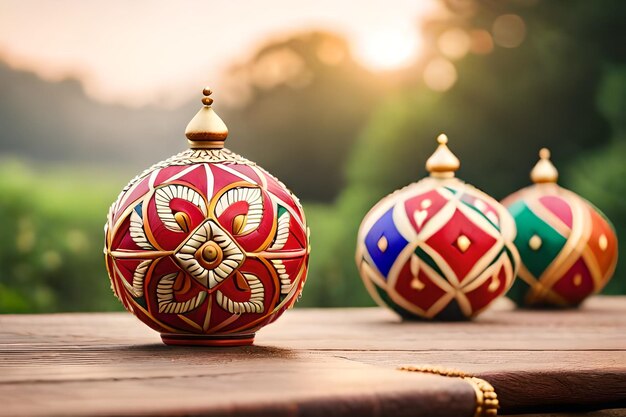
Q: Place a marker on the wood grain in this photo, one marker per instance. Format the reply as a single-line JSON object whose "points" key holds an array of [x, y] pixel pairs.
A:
{"points": [[336, 362], [614, 412]]}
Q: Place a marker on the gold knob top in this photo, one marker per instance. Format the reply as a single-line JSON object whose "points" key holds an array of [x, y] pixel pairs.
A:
{"points": [[544, 170], [206, 100], [442, 163], [206, 130]]}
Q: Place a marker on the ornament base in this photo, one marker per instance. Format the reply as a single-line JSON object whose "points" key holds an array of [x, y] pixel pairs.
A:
{"points": [[226, 340]]}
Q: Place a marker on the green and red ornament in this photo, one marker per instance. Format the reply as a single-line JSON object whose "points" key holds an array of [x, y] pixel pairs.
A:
{"points": [[567, 246], [438, 248], [206, 247]]}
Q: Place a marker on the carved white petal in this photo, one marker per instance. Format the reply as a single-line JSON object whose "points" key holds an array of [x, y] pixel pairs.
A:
{"points": [[254, 305], [250, 195], [164, 195], [282, 231], [136, 289], [165, 297], [283, 276], [137, 233]]}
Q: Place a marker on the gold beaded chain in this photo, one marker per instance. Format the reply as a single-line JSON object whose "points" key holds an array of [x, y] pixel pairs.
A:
{"points": [[486, 398]]}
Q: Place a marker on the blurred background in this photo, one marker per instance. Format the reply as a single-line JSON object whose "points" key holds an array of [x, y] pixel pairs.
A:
{"points": [[340, 100]]}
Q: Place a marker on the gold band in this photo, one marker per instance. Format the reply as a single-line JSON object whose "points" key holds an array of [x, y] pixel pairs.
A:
{"points": [[206, 144], [486, 398]]}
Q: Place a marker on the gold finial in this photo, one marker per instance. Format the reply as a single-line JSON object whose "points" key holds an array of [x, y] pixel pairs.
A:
{"points": [[206, 130], [206, 100], [442, 163], [544, 170]]}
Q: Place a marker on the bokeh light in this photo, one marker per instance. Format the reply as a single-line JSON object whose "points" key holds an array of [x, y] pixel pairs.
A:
{"points": [[440, 74], [454, 43], [481, 42], [509, 30]]}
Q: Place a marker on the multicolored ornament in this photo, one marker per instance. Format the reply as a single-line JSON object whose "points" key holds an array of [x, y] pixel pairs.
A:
{"points": [[438, 248], [567, 246], [206, 247]]}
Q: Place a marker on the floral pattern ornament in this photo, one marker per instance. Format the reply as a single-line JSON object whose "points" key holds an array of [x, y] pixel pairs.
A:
{"points": [[209, 249]]}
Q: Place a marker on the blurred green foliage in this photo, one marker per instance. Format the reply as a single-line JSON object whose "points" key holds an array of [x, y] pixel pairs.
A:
{"points": [[599, 175], [52, 237], [564, 87]]}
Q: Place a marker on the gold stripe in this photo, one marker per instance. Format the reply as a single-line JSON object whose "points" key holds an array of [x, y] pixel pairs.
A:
{"points": [[486, 398], [121, 254], [207, 317], [292, 254], [190, 322], [151, 317], [206, 144]]}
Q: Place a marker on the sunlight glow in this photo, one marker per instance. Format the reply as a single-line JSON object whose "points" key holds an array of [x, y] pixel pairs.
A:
{"points": [[388, 49], [156, 52]]}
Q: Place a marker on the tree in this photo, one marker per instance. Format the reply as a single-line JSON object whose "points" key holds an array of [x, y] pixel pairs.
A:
{"points": [[303, 102]]}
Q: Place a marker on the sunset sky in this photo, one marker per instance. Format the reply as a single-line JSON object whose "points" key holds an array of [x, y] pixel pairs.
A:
{"points": [[159, 52]]}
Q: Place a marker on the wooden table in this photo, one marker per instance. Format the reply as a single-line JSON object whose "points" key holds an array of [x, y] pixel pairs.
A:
{"points": [[319, 362]]}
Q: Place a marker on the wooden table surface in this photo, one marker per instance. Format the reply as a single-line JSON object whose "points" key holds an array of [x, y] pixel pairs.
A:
{"points": [[318, 362]]}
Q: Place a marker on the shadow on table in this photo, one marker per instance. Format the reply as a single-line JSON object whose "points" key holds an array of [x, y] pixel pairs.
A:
{"points": [[241, 352]]}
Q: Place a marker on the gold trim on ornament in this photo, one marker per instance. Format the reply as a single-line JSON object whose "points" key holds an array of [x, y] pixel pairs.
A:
{"points": [[206, 144]]}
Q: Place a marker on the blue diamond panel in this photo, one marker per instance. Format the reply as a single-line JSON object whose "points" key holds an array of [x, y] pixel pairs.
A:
{"points": [[395, 242]]}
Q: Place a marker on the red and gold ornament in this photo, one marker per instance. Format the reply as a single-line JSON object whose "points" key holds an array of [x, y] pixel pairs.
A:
{"points": [[206, 247], [567, 246], [438, 248]]}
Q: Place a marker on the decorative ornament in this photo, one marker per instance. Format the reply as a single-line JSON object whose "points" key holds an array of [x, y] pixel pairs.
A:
{"points": [[567, 246], [438, 248], [206, 247]]}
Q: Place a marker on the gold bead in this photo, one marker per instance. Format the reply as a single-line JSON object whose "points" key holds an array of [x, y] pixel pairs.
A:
{"points": [[463, 243], [535, 242], [603, 242], [206, 100], [382, 244], [578, 280]]}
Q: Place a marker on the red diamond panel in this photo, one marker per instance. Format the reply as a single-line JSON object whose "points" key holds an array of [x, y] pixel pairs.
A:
{"points": [[576, 284], [484, 294], [444, 242], [424, 298]]}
